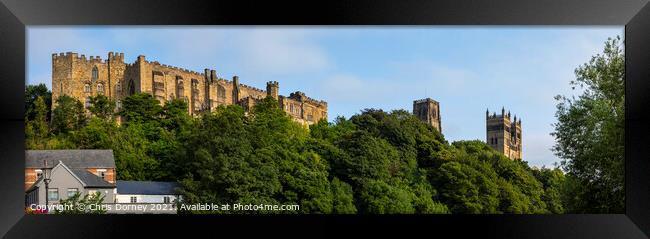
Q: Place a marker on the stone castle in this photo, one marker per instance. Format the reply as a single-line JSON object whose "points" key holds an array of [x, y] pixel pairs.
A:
{"points": [[503, 135], [80, 77]]}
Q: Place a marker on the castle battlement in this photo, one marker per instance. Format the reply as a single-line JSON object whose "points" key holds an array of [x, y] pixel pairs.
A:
{"points": [[299, 95], [116, 56], [170, 67], [420, 101], [503, 116], [258, 90], [75, 56]]}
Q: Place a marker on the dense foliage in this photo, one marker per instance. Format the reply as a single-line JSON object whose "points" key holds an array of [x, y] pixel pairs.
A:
{"points": [[373, 162], [590, 134]]}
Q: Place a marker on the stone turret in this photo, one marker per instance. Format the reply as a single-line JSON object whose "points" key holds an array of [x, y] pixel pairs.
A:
{"points": [[272, 89]]}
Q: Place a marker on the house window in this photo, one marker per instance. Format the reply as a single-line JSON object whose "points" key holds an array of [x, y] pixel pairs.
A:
{"points": [[134, 199], [72, 192], [39, 173], [101, 173], [87, 104], [166, 199], [52, 194], [87, 88], [100, 88]]}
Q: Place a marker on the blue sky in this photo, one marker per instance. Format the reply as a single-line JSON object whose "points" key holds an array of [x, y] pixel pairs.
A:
{"points": [[466, 69]]}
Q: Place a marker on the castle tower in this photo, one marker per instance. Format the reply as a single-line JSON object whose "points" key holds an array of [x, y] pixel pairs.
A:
{"points": [[504, 134], [428, 110], [80, 77], [272, 89]]}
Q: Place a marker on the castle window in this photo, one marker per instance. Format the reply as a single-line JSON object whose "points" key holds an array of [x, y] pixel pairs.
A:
{"points": [[100, 88], [131, 87], [159, 86], [118, 87], [95, 74], [180, 89], [87, 88], [221, 93]]}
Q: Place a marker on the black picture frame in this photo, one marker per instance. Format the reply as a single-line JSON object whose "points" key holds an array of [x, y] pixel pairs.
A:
{"points": [[16, 15]]}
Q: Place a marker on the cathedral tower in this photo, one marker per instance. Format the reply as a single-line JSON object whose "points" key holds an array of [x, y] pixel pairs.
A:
{"points": [[504, 134], [428, 110]]}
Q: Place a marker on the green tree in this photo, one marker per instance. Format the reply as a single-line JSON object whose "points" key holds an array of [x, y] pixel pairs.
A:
{"points": [[590, 133], [68, 115], [36, 129], [102, 107], [88, 204], [141, 108], [32, 93], [553, 181]]}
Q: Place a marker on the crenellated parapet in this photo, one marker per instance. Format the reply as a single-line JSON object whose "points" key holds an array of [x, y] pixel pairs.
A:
{"points": [[503, 115], [300, 96], [253, 89], [70, 56]]}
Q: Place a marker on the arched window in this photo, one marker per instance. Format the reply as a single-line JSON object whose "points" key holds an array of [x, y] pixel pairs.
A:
{"points": [[180, 88], [118, 104], [221, 93], [95, 74], [100, 88], [87, 88], [87, 103], [131, 87]]}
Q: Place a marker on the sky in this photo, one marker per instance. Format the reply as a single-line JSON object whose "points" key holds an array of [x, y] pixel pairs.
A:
{"points": [[467, 69]]}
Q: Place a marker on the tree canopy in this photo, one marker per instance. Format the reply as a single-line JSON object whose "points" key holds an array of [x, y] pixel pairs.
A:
{"points": [[590, 134]]}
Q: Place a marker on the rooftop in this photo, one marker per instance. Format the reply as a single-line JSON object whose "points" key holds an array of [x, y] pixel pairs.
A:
{"points": [[147, 187], [75, 158]]}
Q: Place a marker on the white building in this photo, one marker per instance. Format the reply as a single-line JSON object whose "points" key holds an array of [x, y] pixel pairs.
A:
{"points": [[147, 192]]}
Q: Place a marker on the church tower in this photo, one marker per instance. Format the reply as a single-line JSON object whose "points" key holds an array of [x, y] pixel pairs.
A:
{"points": [[504, 134], [428, 110]]}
